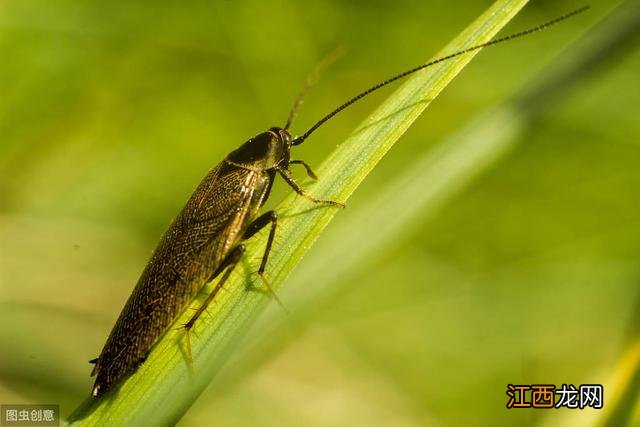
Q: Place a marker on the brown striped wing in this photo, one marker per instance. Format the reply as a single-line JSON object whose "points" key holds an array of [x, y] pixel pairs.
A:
{"points": [[196, 244]]}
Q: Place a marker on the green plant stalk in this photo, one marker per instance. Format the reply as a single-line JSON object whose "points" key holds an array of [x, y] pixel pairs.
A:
{"points": [[448, 168], [166, 385]]}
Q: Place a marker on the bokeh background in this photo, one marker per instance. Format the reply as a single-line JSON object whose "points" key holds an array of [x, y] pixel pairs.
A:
{"points": [[111, 112]]}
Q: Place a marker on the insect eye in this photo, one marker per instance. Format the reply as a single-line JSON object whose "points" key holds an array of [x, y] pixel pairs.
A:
{"points": [[283, 134], [286, 137]]}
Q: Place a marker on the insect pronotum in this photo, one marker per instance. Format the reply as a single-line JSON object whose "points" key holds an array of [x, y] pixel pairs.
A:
{"points": [[205, 239]]}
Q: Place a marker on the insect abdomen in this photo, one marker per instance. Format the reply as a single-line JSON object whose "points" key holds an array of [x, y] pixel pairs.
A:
{"points": [[194, 246], [160, 295]]}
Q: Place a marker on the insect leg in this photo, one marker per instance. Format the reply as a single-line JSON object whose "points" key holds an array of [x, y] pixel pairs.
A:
{"points": [[228, 266], [301, 192], [262, 221], [306, 166]]}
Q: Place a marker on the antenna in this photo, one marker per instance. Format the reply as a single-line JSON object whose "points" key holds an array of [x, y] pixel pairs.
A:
{"points": [[300, 139], [312, 79]]}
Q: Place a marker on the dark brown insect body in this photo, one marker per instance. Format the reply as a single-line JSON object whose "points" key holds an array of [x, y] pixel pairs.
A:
{"points": [[205, 240], [201, 242]]}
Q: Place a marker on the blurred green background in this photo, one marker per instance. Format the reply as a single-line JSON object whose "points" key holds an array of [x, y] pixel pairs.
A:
{"points": [[111, 113]]}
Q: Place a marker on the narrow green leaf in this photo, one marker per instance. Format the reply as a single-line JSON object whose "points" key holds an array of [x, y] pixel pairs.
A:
{"points": [[166, 385]]}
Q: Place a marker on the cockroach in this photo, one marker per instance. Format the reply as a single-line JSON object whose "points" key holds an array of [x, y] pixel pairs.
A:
{"points": [[206, 239]]}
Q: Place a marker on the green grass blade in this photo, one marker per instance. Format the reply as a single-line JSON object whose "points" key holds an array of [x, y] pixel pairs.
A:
{"points": [[448, 168], [165, 386]]}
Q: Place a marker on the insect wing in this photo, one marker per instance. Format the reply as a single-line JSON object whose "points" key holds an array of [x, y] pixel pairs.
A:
{"points": [[191, 249]]}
